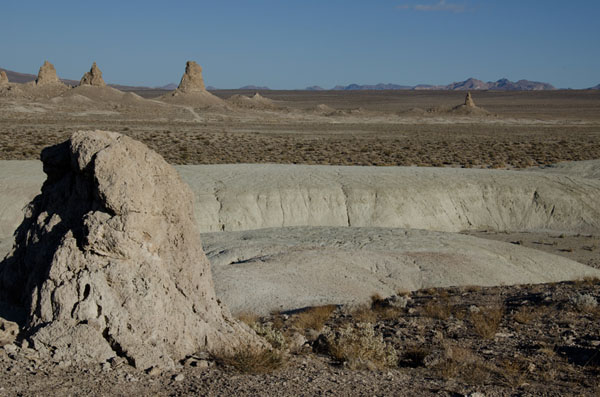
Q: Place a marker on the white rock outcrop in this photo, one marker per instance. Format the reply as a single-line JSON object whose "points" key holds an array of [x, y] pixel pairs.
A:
{"points": [[109, 261], [3, 78]]}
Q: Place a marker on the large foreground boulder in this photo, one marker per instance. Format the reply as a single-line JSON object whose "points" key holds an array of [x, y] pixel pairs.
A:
{"points": [[109, 263]]}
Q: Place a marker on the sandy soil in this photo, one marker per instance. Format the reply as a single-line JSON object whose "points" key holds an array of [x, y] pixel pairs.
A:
{"points": [[500, 341], [525, 129]]}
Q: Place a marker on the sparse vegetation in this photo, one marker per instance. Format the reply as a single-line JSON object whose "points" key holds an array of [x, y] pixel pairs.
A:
{"points": [[360, 347], [314, 317], [251, 360], [487, 320]]}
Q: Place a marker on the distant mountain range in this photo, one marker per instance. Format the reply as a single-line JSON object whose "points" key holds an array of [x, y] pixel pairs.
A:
{"points": [[470, 84]]}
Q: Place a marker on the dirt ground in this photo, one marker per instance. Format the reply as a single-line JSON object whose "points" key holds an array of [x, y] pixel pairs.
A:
{"points": [[499, 341], [355, 128]]}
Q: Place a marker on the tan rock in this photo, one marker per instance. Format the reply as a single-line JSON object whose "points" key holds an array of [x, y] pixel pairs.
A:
{"points": [[192, 78], [3, 78], [8, 331], [47, 75], [109, 261], [469, 101], [93, 77]]}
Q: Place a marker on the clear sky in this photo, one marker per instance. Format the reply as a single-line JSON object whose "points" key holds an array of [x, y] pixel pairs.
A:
{"points": [[290, 44]]}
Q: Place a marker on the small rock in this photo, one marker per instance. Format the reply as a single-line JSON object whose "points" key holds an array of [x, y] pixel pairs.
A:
{"points": [[106, 367], [8, 331], [474, 309], [11, 348], [179, 378], [154, 371], [296, 341]]}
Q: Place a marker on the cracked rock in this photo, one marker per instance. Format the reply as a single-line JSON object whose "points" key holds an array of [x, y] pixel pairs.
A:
{"points": [[108, 261]]}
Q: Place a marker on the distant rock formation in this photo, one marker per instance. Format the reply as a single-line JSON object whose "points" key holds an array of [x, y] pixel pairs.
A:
{"points": [[47, 75], [469, 101], [93, 77], [192, 78], [3, 78], [191, 90], [109, 262]]}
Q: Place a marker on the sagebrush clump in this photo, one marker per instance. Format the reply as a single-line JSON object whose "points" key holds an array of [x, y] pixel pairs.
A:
{"points": [[360, 347]]}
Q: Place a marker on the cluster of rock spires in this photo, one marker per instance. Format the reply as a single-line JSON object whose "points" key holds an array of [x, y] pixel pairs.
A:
{"points": [[108, 261]]}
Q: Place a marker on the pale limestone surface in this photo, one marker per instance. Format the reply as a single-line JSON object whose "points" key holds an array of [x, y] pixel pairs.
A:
{"points": [[253, 196], [3, 78], [291, 268], [108, 261]]}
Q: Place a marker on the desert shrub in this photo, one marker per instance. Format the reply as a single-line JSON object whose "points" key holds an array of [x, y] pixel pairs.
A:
{"points": [[250, 359], [361, 348], [487, 320], [248, 318], [439, 309], [271, 335], [314, 317], [363, 314], [585, 303]]}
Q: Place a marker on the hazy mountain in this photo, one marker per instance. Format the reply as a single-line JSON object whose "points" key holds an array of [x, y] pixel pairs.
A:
{"points": [[470, 84], [596, 87], [380, 86], [253, 87], [521, 85], [170, 87]]}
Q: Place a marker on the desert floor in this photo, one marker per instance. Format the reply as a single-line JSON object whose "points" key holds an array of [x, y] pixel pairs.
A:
{"points": [[540, 339]]}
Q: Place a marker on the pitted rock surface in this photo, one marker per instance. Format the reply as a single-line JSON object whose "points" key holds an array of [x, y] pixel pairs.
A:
{"points": [[47, 75], [109, 262], [192, 78], [93, 77]]}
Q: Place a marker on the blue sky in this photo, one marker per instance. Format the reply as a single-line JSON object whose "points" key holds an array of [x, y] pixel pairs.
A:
{"points": [[290, 44]]}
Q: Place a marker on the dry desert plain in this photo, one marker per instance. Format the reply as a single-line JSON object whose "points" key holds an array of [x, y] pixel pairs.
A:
{"points": [[474, 277]]}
